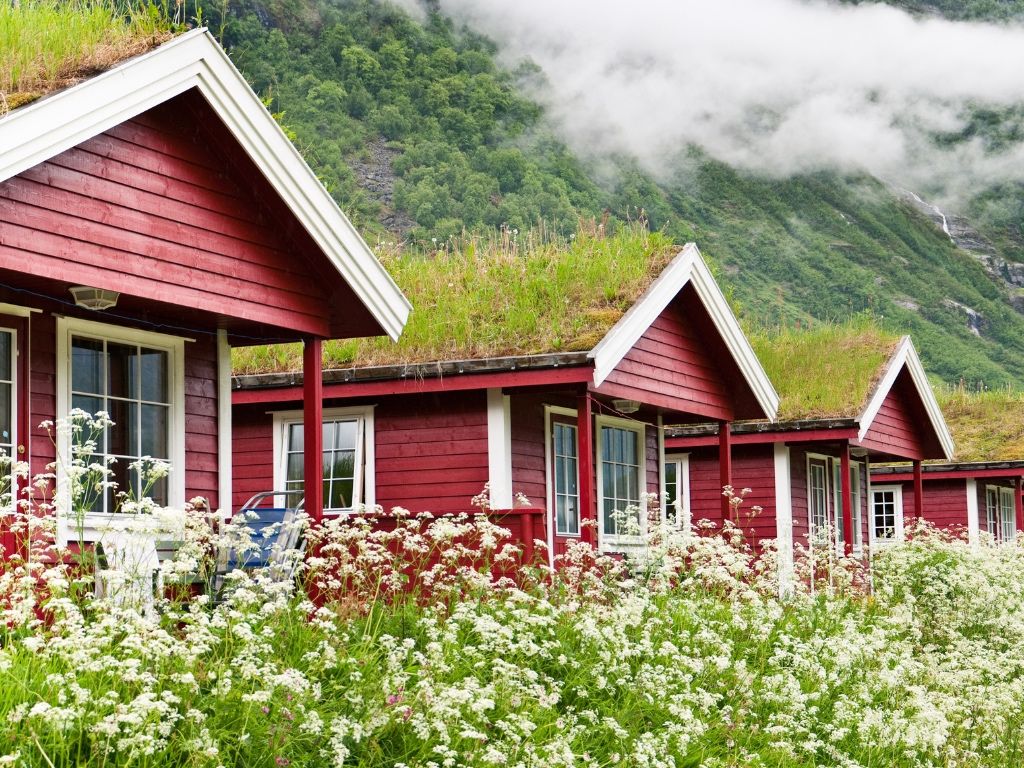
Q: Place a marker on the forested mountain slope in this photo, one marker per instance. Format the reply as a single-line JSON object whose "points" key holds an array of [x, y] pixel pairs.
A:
{"points": [[420, 133]]}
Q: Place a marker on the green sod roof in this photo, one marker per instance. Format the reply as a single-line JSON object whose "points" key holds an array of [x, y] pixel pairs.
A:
{"points": [[498, 299], [986, 426], [827, 371], [46, 45]]}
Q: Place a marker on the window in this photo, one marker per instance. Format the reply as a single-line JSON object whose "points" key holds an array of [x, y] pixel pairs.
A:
{"points": [[1000, 514], [677, 490], [565, 478], [137, 377], [886, 513], [825, 499], [817, 494], [347, 456], [620, 452], [8, 426]]}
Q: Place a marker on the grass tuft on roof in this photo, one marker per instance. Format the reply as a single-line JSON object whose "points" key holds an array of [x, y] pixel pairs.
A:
{"points": [[986, 425], [503, 296], [826, 371], [46, 45]]}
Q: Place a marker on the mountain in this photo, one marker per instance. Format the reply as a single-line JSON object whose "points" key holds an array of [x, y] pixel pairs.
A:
{"points": [[421, 133]]}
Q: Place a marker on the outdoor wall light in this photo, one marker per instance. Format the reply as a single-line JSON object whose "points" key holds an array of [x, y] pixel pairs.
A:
{"points": [[93, 298], [626, 406]]}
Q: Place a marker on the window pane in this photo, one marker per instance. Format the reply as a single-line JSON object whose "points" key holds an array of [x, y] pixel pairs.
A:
{"points": [[154, 375], [6, 424], [5, 355], [87, 366], [155, 433], [88, 404], [122, 435], [122, 362], [345, 433], [328, 437], [340, 494], [294, 472], [295, 437]]}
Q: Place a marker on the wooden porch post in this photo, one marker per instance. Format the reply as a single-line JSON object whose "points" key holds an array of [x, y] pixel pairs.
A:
{"points": [[313, 429], [725, 465], [847, 499], [918, 490], [585, 454]]}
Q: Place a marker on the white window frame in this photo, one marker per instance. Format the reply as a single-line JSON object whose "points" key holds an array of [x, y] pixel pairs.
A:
{"points": [[364, 482], [175, 348], [549, 479], [1004, 503], [897, 491], [620, 543], [683, 510], [829, 493], [15, 404], [834, 500]]}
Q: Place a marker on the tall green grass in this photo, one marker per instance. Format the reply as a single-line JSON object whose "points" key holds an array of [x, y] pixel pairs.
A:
{"points": [[987, 424], [506, 295], [47, 44]]}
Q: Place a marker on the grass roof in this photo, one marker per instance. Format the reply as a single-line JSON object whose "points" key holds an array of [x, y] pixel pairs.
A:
{"points": [[500, 297], [826, 371], [46, 45], [987, 425]]}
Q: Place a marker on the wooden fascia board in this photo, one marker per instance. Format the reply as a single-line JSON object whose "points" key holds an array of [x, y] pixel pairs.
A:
{"points": [[687, 267], [413, 386], [35, 133], [763, 438], [906, 356], [953, 474]]}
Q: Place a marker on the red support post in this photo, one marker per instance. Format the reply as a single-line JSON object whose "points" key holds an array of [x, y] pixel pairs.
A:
{"points": [[918, 491], [725, 465], [1018, 504], [313, 427], [585, 457], [527, 529], [846, 492]]}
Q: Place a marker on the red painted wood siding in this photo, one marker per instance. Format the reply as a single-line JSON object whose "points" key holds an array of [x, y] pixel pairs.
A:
{"points": [[150, 209], [529, 475], [431, 451], [945, 503], [900, 428], [753, 467], [680, 363]]}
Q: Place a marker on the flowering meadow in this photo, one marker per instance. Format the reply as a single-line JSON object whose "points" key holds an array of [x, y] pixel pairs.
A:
{"points": [[413, 654], [409, 640]]}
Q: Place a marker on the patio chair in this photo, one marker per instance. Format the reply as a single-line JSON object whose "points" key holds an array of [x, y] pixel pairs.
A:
{"points": [[277, 537]]}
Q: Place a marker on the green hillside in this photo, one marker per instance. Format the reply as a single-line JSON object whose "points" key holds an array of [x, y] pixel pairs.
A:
{"points": [[420, 134]]}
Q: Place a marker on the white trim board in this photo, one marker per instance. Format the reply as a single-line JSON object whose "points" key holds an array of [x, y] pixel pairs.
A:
{"points": [[906, 356], [35, 133], [499, 448], [224, 448], [687, 267], [784, 518]]}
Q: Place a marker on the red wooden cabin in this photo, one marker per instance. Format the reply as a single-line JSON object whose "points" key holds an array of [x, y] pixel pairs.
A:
{"points": [[815, 474], [578, 433], [979, 492], [165, 182]]}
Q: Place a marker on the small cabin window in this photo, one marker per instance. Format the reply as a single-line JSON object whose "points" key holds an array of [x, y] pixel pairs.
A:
{"points": [[1000, 514], [565, 478], [676, 493], [621, 456], [886, 513], [347, 458]]}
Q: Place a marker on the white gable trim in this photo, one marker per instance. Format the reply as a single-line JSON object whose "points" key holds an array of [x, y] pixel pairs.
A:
{"points": [[39, 131], [686, 267], [905, 356]]}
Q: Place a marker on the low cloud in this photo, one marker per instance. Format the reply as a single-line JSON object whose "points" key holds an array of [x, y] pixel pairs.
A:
{"points": [[776, 87]]}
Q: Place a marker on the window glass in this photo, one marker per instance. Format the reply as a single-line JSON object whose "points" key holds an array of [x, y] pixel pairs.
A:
{"points": [[131, 384], [341, 461], [883, 515], [1008, 522], [564, 485], [817, 494], [620, 472]]}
